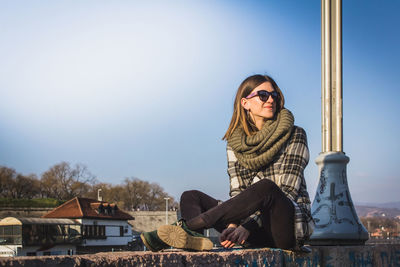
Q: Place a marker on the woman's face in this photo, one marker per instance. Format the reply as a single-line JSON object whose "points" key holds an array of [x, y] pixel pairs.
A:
{"points": [[260, 110]]}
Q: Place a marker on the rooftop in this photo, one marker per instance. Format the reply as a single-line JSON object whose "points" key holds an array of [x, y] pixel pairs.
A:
{"points": [[85, 208]]}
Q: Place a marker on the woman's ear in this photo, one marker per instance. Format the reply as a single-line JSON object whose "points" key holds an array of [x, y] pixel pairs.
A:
{"points": [[245, 103]]}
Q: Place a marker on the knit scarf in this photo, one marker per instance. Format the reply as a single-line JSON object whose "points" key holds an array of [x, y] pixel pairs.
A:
{"points": [[258, 150]]}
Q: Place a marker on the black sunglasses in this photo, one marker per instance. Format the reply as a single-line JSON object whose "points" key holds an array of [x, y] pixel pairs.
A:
{"points": [[264, 95]]}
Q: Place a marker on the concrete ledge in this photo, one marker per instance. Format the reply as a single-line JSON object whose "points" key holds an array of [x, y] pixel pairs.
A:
{"points": [[370, 255]]}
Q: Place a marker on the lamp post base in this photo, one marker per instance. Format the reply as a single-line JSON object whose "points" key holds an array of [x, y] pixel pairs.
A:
{"points": [[333, 211]]}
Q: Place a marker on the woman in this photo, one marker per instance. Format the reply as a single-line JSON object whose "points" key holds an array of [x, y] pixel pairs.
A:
{"points": [[269, 204]]}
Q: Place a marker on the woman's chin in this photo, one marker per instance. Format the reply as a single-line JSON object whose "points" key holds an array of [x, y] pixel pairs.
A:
{"points": [[269, 115]]}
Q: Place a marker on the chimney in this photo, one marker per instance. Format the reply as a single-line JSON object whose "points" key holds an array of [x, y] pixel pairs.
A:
{"points": [[99, 197]]}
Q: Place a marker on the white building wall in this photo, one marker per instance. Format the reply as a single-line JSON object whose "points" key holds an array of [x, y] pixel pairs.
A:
{"points": [[18, 250], [9, 250], [113, 237], [113, 230]]}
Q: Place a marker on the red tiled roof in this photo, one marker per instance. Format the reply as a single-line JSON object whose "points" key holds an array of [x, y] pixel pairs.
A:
{"points": [[88, 208]]}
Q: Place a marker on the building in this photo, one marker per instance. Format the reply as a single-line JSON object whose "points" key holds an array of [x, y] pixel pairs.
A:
{"points": [[37, 236], [79, 226]]}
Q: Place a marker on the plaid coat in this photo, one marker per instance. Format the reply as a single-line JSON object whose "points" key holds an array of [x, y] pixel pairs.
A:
{"points": [[287, 171]]}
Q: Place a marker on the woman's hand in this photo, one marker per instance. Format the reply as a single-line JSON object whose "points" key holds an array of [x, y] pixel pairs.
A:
{"points": [[223, 237], [233, 235]]}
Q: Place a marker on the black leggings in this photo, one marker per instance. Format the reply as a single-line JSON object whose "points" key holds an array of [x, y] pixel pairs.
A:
{"points": [[277, 213]]}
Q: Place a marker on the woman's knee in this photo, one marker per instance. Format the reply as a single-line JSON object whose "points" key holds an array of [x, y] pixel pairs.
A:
{"points": [[266, 185], [190, 195]]}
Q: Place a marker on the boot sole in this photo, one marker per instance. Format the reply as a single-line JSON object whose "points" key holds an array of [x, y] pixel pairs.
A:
{"points": [[147, 244], [176, 237]]}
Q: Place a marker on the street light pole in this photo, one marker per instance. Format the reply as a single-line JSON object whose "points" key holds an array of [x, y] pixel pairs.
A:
{"points": [[166, 209], [333, 211]]}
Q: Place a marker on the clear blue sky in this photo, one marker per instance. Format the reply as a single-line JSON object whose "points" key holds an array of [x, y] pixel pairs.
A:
{"points": [[145, 88]]}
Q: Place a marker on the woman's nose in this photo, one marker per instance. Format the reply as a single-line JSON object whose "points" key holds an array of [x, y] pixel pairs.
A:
{"points": [[270, 99]]}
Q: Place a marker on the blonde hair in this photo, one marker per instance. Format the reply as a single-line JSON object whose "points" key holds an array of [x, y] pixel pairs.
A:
{"points": [[240, 118]]}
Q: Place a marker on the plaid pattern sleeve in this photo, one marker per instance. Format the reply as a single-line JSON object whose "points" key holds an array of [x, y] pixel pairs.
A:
{"points": [[233, 177], [295, 159], [240, 177], [292, 182]]}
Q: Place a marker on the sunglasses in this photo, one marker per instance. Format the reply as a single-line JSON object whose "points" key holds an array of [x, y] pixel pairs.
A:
{"points": [[264, 95]]}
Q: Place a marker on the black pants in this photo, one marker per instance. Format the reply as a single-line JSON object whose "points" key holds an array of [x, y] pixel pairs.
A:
{"points": [[277, 213]]}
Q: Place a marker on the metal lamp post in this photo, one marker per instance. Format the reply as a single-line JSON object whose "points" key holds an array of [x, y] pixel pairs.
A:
{"points": [[336, 220], [166, 209]]}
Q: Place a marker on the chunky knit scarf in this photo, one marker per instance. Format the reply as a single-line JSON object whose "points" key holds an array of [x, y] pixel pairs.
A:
{"points": [[258, 150]]}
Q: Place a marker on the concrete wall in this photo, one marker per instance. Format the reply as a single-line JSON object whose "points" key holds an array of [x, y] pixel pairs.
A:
{"points": [[23, 212], [362, 256], [146, 221]]}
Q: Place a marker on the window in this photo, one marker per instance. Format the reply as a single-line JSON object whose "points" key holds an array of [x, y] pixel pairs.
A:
{"points": [[102, 231], [10, 234], [121, 231], [94, 231], [50, 234]]}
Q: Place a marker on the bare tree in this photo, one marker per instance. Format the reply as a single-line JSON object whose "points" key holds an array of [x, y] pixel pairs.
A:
{"points": [[139, 194], [155, 200], [25, 186], [135, 193], [7, 175], [66, 182], [16, 185], [50, 186]]}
